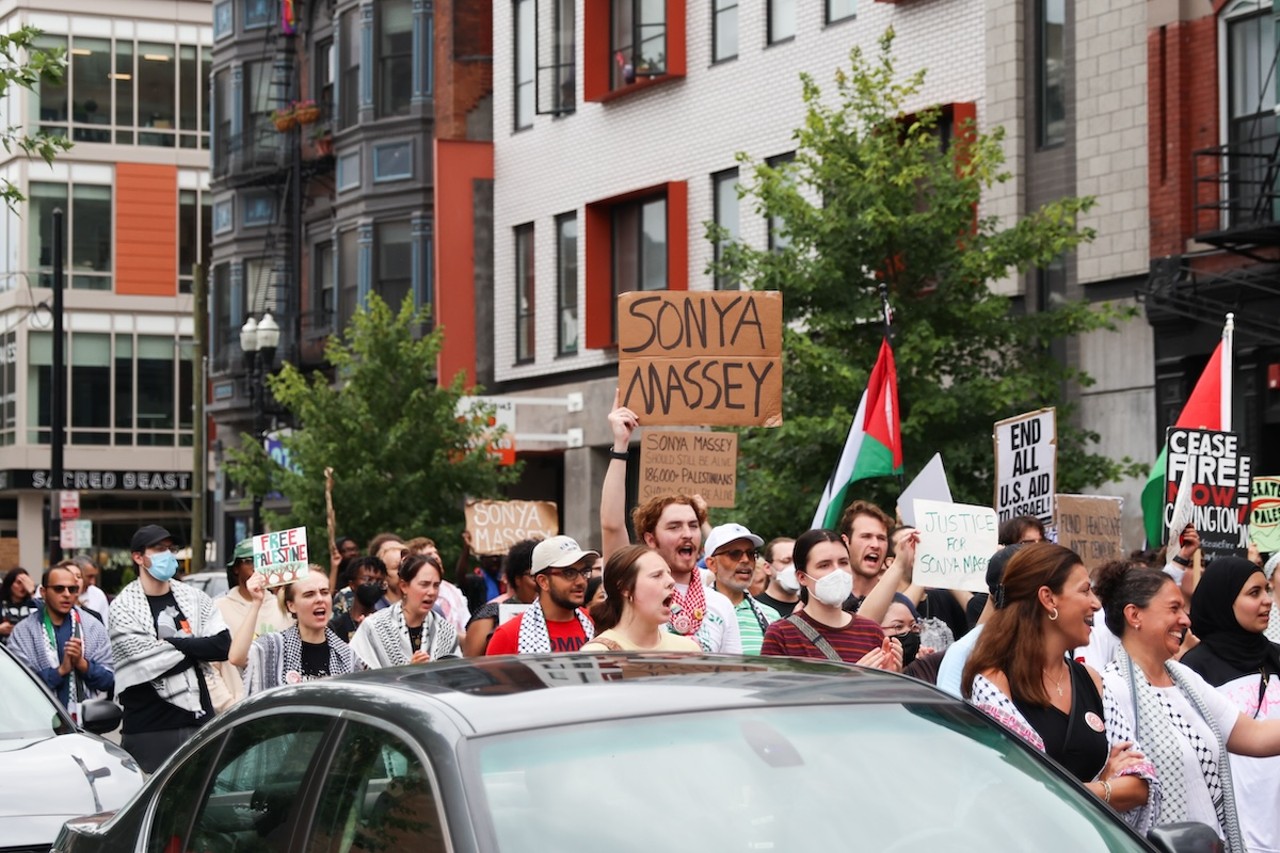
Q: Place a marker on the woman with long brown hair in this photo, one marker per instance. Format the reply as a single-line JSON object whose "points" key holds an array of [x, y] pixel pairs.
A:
{"points": [[1021, 673], [639, 591]]}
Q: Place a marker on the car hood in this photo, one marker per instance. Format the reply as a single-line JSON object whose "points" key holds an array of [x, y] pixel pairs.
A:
{"points": [[51, 787]]}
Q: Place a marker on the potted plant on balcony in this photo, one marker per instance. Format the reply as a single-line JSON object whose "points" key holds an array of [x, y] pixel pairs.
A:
{"points": [[322, 142], [285, 119], [651, 66], [306, 111]]}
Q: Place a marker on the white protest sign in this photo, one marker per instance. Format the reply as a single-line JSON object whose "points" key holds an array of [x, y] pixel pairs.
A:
{"points": [[1026, 465], [510, 610], [281, 556], [930, 484], [956, 542]]}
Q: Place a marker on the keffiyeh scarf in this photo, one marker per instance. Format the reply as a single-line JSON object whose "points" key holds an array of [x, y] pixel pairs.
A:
{"points": [[992, 701], [383, 638], [141, 657], [1166, 734], [689, 607], [276, 659], [534, 636]]}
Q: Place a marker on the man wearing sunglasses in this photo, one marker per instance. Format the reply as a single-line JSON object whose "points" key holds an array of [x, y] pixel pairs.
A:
{"points": [[731, 556], [555, 622], [67, 649]]}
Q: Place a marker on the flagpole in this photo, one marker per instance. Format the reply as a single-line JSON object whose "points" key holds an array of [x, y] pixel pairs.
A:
{"points": [[888, 336], [1228, 344]]}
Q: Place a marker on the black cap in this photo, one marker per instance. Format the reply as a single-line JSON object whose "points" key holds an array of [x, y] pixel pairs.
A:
{"points": [[148, 536], [995, 566]]}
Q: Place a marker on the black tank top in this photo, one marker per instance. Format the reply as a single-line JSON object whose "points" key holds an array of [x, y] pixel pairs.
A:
{"points": [[1072, 740]]}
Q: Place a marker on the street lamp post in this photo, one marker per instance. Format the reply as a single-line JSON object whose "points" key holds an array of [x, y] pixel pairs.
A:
{"points": [[258, 341]]}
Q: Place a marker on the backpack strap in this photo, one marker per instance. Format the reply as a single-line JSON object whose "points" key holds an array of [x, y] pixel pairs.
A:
{"points": [[812, 635], [611, 645]]}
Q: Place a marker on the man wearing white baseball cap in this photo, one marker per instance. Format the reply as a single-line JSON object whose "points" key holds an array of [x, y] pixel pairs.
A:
{"points": [[731, 555], [555, 622]]}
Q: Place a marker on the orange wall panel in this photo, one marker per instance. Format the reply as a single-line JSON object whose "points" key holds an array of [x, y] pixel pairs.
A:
{"points": [[146, 229], [458, 165]]}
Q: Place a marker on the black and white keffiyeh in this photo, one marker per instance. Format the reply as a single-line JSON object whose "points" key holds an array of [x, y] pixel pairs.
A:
{"points": [[142, 657], [276, 659], [534, 636], [382, 639]]}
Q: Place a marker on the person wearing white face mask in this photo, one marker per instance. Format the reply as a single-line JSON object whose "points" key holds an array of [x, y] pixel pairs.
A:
{"points": [[823, 629], [783, 591], [164, 636]]}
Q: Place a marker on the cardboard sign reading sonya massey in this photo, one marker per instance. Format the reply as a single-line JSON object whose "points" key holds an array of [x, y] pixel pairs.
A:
{"points": [[1090, 526], [281, 556], [497, 525], [1219, 479], [956, 542], [695, 463], [1026, 465], [701, 359]]}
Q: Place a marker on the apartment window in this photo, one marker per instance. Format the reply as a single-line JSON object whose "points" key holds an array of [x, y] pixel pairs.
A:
{"points": [[157, 93], [347, 171], [260, 293], [349, 261], [724, 188], [222, 19], [195, 227], [838, 10], [564, 96], [782, 20], [222, 328], [638, 40], [524, 294], [88, 237], [394, 262], [222, 121], [1051, 106], [567, 284], [724, 30], [779, 240], [223, 220], [349, 91], [91, 86], [90, 398], [259, 106], [393, 161], [257, 13], [326, 67], [259, 209], [1251, 122], [640, 246], [188, 94], [324, 293], [8, 388], [525, 48], [395, 57]]}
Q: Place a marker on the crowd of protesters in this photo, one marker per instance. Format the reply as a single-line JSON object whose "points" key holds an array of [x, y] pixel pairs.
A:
{"points": [[1167, 707]]}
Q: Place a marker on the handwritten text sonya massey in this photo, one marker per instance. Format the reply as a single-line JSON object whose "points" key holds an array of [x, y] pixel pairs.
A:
{"points": [[701, 358]]}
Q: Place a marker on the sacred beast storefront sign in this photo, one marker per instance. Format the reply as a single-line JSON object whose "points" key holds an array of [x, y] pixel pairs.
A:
{"points": [[98, 481]]}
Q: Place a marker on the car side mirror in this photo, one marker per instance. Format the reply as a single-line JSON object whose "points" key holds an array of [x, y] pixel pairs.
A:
{"points": [[100, 716], [1188, 837]]}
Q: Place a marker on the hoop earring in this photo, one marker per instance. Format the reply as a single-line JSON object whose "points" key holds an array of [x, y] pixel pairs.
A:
{"points": [[1053, 617]]}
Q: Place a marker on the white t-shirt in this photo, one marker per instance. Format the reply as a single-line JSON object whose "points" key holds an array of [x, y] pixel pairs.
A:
{"points": [[718, 633], [1199, 804], [1256, 780], [1102, 645]]}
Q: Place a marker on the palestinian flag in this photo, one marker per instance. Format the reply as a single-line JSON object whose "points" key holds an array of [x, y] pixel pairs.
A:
{"points": [[1203, 410], [874, 445]]}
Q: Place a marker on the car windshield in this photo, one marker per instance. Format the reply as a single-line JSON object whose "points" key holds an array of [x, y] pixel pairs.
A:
{"points": [[892, 778], [26, 711]]}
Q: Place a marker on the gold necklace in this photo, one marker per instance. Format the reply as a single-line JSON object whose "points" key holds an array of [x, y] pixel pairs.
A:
{"points": [[1057, 682]]}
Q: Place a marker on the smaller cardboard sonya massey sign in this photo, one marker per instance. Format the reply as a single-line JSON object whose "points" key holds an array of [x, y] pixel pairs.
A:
{"points": [[497, 525], [1026, 465], [281, 556], [956, 542], [1218, 476], [701, 359], [695, 463]]}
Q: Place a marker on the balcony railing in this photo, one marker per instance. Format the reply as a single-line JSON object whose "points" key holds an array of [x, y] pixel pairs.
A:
{"points": [[1237, 191]]}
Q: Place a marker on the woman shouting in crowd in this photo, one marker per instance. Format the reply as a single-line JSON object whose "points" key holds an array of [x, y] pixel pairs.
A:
{"points": [[305, 651], [408, 631]]}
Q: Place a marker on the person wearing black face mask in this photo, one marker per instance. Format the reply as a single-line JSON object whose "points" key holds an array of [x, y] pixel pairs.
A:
{"points": [[366, 590], [901, 622]]}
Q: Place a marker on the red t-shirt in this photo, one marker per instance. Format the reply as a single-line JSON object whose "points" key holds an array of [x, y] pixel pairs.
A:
{"points": [[565, 636]]}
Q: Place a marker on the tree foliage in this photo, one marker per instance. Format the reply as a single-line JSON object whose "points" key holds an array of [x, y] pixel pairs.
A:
{"points": [[24, 65], [403, 461], [874, 199]]}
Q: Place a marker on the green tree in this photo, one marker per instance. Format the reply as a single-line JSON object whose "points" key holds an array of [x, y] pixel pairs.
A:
{"points": [[874, 198], [24, 65], [403, 461]]}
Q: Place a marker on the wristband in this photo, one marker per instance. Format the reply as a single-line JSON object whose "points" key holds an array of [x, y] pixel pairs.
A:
{"points": [[1181, 560], [1106, 791], [624, 455]]}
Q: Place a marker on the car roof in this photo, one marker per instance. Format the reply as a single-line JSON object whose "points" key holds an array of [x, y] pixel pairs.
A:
{"points": [[512, 693]]}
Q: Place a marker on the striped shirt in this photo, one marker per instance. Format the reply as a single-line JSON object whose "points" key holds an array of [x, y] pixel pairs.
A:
{"points": [[749, 623], [851, 642]]}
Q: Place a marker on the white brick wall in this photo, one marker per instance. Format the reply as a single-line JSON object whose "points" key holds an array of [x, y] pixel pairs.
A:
{"points": [[1111, 134], [687, 130]]}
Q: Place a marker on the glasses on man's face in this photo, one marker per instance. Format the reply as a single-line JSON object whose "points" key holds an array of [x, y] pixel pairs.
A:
{"points": [[62, 589], [572, 575], [736, 554]]}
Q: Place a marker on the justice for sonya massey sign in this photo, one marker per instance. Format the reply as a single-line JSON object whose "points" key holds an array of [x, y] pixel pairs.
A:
{"points": [[956, 542], [701, 359]]}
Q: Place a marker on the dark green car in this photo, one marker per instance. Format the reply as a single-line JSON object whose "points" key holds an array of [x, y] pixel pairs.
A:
{"points": [[625, 752]]}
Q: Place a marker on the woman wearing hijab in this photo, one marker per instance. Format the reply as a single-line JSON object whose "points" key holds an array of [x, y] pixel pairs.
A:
{"points": [[408, 631], [1185, 725], [1230, 611], [1021, 674]]}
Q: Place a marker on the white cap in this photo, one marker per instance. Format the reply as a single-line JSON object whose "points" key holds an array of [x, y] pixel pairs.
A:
{"points": [[558, 552], [726, 533]]}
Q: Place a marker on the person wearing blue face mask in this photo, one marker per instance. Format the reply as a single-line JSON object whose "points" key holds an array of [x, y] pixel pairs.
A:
{"points": [[165, 635]]}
